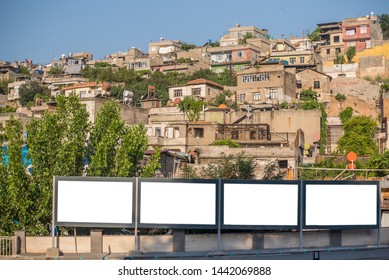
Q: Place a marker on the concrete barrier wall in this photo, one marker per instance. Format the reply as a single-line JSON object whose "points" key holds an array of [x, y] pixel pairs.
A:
{"points": [[359, 237], [209, 242], [118, 244]]}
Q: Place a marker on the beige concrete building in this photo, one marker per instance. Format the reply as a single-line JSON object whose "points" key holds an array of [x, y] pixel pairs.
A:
{"points": [[234, 57], [129, 115], [87, 90], [269, 83], [13, 89], [315, 80], [200, 88], [236, 34], [331, 41]]}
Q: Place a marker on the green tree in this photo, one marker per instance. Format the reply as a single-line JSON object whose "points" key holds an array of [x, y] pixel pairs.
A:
{"points": [[340, 97], [379, 161], [187, 47], [231, 167], [19, 197], [384, 22], [130, 154], [246, 36], [339, 59], [315, 35], [23, 70], [191, 107], [4, 86], [29, 91], [358, 136], [56, 71], [350, 53], [346, 114], [273, 172], [75, 127], [105, 135]]}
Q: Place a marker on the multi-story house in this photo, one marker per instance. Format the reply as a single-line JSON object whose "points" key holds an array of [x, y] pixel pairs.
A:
{"points": [[254, 36], [270, 83], [234, 58], [331, 41], [199, 88], [7, 71], [165, 49], [73, 63], [359, 32], [13, 88], [87, 90], [315, 80], [285, 51]]}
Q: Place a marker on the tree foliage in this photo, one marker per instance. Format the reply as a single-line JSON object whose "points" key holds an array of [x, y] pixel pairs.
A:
{"points": [[192, 107], [29, 91], [57, 146], [231, 167], [384, 22], [346, 114], [358, 136], [4, 86], [273, 172], [350, 53], [246, 36], [339, 58], [315, 35], [17, 197], [56, 71], [187, 47]]}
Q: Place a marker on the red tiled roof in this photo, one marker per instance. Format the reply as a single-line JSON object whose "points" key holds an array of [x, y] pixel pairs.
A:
{"points": [[204, 81]]}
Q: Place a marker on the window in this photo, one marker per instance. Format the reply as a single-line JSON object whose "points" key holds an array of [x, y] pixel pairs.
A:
{"points": [[336, 39], [351, 44], [316, 84], [253, 135], [273, 93], [350, 32], [256, 96], [328, 51], [196, 91], [82, 93], [239, 54], [302, 59], [177, 92], [363, 29], [283, 163], [198, 133], [337, 50], [235, 135], [255, 78], [242, 97], [292, 60], [299, 84], [158, 132]]}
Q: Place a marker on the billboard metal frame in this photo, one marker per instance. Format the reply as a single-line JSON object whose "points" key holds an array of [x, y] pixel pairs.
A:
{"points": [[92, 224], [263, 227], [178, 226], [342, 227]]}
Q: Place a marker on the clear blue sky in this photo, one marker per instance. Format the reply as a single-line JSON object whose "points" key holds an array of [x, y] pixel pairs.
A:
{"points": [[44, 29]]}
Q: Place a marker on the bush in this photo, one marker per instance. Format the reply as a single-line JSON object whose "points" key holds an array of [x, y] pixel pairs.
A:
{"points": [[227, 142]]}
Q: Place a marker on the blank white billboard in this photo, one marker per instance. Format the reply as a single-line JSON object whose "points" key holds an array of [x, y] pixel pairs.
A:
{"points": [[260, 204], [178, 203], [95, 202], [340, 205]]}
